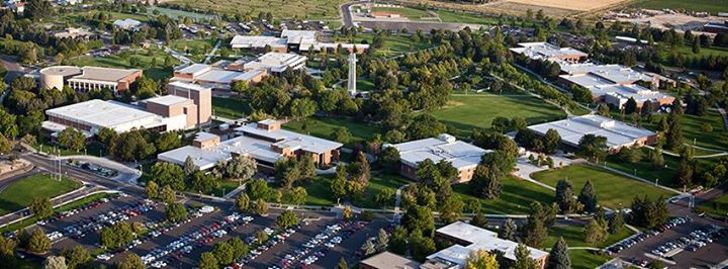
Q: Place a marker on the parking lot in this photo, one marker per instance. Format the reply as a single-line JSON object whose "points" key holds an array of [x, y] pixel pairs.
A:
{"points": [[319, 241], [680, 243]]}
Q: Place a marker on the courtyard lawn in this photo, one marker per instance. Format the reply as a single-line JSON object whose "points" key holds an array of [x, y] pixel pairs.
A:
{"points": [[140, 58], [515, 198], [467, 112], [712, 6], [586, 259], [325, 127], [232, 108], [718, 207], [613, 190], [394, 44], [411, 13], [19, 194], [693, 131], [319, 190], [461, 17], [574, 236], [664, 175], [309, 9], [175, 13]]}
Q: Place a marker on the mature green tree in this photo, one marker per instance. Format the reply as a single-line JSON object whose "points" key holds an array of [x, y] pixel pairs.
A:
{"points": [[674, 139], [451, 209], [389, 159], [479, 220], [39, 242], [523, 258], [616, 223], [588, 197], [481, 259], [593, 147], [565, 197], [168, 141], [535, 230], [132, 146], [5, 145], [72, 139], [630, 107], [595, 232], [419, 218], [8, 125], [243, 202], [224, 253], [201, 182], [39, 9], [106, 136], [421, 246], [208, 261], [424, 126], [7, 250], [551, 141], [295, 196], [189, 166], [78, 257], [508, 230], [486, 181], [239, 247], [287, 219], [167, 195], [260, 207], [41, 207], [559, 256], [398, 241], [258, 189], [339, 185], [55, 262], [341, 135], [241, 168], [152, 190], [302, 108], [176, 212]]}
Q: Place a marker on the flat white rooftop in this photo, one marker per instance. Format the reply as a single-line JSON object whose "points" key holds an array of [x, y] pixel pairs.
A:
{"points": [[277, 62], [244, 41], [462, 155], [188, 86], [573, 129], [546, 51], [287, 138], [104, 74], [480, 239], [110, 114], [167, 100]]}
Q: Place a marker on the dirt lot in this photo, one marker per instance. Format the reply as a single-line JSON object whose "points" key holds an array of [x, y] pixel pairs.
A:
{"points": [[680, 22], [579, 5], [558, 8]]}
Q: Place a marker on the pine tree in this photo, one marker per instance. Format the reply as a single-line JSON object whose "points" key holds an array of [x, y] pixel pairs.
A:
{"points": [[479, 220], [565, 197], [616, 223], [588, 197], [508, 230], [559, 256], [595, 232], [674, 139], [523, 258]]}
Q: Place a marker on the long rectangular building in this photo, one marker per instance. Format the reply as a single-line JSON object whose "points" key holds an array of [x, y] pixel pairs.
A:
{"points": [[292, 41], [463, 156], [263, 141], [211, 77], [618, 134]]}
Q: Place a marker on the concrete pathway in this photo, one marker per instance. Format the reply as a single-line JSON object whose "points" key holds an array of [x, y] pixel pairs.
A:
{"points": [[212, 53]]}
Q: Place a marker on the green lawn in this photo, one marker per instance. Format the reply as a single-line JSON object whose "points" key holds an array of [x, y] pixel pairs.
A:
{"points": [[193, 46], [233, 108], [19, 194], [410, 13], [175, 13], [451, 16], [585, 259], [318, 9], [645, 170], [142, 59], [394, 44], [465, 113], [325, 127], [613, 190], [717, 208], [515, 198], [574, 236], [693, 131], [712, 6], [319, 190]]}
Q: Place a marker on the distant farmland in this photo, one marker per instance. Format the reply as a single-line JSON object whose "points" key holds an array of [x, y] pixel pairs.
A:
{"points": [[712, 6], [288, 9]]}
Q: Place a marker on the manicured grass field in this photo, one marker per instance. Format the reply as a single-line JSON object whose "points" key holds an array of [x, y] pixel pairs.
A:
{"points": [[193, 46], [174, 13], [613, 190], [300, 9], [394, 44], [644, 168], [319, 190], [232, 108], [143, 60], [717, 208], [693, 131], [325, 127], [515, 198], [712, 6], [450, 16], [465, 113], [574, 236], [410, 13], [20, 193]]}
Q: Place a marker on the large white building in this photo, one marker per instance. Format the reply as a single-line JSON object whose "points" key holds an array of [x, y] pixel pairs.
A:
{"points": [[618, 134], [548, 52], [277, 62], [463, 156], [215, 78], [93, 115], [88, 78], [468, 239], [263, 141], [292, 41]]}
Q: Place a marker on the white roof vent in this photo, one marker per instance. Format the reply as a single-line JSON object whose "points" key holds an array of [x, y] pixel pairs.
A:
{"points": [[447, 138]]}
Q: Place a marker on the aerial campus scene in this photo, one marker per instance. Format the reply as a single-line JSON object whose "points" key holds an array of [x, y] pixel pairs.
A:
{"points": [[397, 134]]}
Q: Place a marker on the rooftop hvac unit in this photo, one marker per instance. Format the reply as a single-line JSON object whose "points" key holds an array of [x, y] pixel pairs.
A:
{"points": [[447, 138]]}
